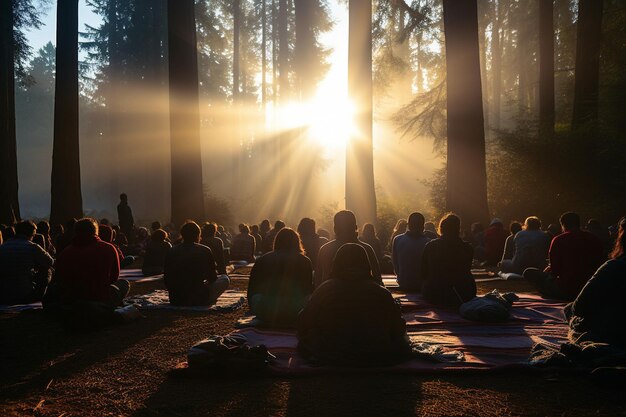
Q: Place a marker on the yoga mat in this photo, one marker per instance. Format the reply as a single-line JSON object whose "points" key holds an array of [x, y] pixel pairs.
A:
{"points": [[135, 275], [159, 299]]}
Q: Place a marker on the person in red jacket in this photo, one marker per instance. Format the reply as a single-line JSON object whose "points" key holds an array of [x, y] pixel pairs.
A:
{"points": [[574, 255], [89, 269]]}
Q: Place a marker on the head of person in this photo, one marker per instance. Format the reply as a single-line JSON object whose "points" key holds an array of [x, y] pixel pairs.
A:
{"points": [[400, 227], [570, 221], [43, 227], [620, 242], [158, 235], [8, 232], [86, 228], [254, 229], [26, 229], [476, 228], [244, 229], [351, 264], [496, 223], [288, 240], [515, 227], [69, 225], [369, 231], [306, 227], [265, 225], [142, 233], [532, 223], [104, 221], [123, 198], [554, 229], [190, 232], [209, 229], [156, 225], [323, 233], [220, 228], [57, 230], [430, 227], [345, 225], [105, 233], [416, 222], [279, 224], [450, 225]]}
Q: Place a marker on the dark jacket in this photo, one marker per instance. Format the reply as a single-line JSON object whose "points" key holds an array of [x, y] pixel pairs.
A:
{"points": [[217, 247], [312, 245], [285, 280], [154, 259], [600, 307], [352, 323], [189, 267], [446, 272]]}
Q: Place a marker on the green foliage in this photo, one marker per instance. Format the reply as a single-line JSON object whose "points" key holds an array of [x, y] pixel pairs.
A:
{"points": [[26, 16]]}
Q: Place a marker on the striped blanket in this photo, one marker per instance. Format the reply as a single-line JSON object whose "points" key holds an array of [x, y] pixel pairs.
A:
{"points": [[486, 346]]}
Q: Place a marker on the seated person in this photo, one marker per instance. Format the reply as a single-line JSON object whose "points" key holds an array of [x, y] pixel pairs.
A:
{"points": [[509, 244], [24, 267], [430, 230], [495, 239], [446, 266], [407, 254], [574, 255], [156, 250], [281, 281], [345, 232], [43, 228], [368, 235], [350, 320], [531, 248], [398, 229], [258, 240], [88, 271], [243, 247], [268, 240], [107, 234], [311, 241], [598, 312], [190, 271], [477, 240], [215, 244]]}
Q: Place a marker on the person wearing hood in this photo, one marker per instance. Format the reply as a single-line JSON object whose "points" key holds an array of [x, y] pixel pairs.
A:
{"points": [[495, 239], [88, 269], [345, 232], [350, 320], [24, 267], [407, 254]]}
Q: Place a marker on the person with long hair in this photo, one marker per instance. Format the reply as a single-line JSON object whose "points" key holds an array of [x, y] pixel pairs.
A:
{"points": [[280, 281], [311, 241], [446, 266], [368, 235], [350, 320], [399, 228], [597, 314]]}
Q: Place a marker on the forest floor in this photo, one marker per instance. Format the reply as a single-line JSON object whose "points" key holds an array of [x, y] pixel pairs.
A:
{"points": [[125, 371]]}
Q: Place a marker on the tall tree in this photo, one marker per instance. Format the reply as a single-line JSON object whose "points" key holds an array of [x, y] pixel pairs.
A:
{"points": [[187, 197], [546, 68], [9, 204], [588, 42], [305, 49], [66, 196], [360, 188], [466, 191], [496, 62]]}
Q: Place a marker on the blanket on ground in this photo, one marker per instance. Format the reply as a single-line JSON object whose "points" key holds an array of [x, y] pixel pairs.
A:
{"points": [[135, 275], [486, 346], [159, 299]]}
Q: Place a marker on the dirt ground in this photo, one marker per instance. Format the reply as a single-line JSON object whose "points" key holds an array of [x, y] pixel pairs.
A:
{"points": [[124, 371]]}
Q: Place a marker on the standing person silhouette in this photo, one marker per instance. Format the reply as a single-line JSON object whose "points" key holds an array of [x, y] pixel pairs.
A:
{"points": [[125, 216]]}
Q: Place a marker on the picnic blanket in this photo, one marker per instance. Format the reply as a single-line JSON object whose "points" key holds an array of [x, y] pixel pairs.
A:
{"points": [[135, 275], [485, 346], [159, 299]]}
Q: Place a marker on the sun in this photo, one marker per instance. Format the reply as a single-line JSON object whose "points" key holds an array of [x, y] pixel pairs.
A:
{"points": [[328, 118]]}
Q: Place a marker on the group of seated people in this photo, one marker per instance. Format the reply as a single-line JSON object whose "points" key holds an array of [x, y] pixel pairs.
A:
{"points": [[331, 290]]}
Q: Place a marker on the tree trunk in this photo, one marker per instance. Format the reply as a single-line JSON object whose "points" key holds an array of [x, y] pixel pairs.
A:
{"points": [[236, 48], [283, 52], [263, 57], [588, 42], [546, 69], [360, 189], [496, 64], [466, 192], [9, 204], [66, 197], [187, 197], [305, 49]]}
